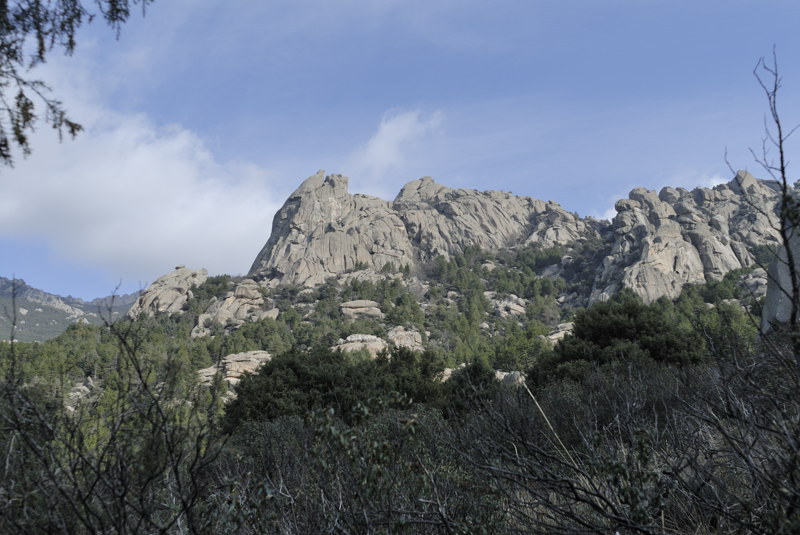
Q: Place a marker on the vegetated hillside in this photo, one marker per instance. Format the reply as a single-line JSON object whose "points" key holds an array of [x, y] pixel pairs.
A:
{"points": [[479, 391], [41, 315], [617, 427]]}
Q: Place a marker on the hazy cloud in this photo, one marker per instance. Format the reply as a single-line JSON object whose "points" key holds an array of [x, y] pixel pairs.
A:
{"points": [[134, 198], [395, 153]]}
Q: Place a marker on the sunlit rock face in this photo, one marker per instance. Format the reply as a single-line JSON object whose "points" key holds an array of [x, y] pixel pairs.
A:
{"points": [[323, 231], [169, 292], [657, 242], [663, 241]]}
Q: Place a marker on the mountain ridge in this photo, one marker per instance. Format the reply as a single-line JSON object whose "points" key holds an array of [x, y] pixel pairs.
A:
{"points": [[41, 315], [657, 242]]}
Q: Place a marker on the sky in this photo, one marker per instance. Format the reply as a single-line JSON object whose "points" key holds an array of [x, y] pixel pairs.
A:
{"points": [[204, 116]]}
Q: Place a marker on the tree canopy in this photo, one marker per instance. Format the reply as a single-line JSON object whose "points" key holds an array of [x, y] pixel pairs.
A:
{"points": [[30, 30]]}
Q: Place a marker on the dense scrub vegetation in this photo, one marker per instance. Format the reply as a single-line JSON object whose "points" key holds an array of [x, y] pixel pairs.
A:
{"points": [[671, 417]]}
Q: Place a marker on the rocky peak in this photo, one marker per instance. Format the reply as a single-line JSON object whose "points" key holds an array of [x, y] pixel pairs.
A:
{"points": [[663, 241], [323, 231]]}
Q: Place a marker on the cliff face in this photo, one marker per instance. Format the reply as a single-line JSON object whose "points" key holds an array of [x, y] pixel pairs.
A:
{"points": [[663, 241], [656, 243], [322, 230]]}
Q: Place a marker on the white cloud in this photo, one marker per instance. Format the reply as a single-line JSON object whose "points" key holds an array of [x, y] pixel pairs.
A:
{"points": [[395, 152], [134, 198]]}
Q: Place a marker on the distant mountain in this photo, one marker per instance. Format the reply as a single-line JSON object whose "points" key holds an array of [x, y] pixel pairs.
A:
{"points": [[41, 315]]}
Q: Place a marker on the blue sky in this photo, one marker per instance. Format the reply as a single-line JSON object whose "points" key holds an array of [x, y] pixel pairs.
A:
{"points": [[204, 116]]}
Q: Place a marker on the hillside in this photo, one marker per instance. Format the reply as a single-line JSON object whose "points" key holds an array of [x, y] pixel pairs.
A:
{"points": [[41, 315], [453, 361]]}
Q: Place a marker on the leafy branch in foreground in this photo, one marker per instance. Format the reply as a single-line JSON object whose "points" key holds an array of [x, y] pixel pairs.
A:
{"points": [[29, 31]]}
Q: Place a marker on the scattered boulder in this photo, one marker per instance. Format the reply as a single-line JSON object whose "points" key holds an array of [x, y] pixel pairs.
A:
{"points": [[168, 293], [356, 342], [233, 366], [361, 308], [400, 337]]}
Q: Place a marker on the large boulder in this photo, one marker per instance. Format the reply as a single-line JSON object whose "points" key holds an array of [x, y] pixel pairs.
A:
{"points": [[169, 292], [407, 338], [361, 308], [233, 366], [374, 345]]}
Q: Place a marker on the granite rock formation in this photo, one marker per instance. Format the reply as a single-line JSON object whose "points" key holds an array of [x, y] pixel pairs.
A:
{"points": [[656, 243], [665, 240], [169, 292], [322, 230]]}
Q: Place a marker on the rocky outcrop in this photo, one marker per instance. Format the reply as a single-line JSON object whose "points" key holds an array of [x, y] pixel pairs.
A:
{"points": [[657, 242], [663, 241], [360, 308], [323, 231], [559, 333], [409, 339], [510, 305], [169, 292], [233, 366], [81, 393], [374, 345], [244, 303]]}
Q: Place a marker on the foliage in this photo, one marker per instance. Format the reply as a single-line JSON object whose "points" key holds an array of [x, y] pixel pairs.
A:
{"points": [[296, 383], [31, 30]]}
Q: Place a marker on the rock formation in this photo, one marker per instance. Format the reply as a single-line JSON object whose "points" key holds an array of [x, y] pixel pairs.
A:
{"points": [[361, 308], [323, 231], [169, 292], [410, 339], [663, 241], [233, 366], [656, 243], [244, 303], [356, 342]]}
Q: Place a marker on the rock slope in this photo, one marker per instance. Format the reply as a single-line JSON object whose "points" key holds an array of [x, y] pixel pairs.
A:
{"points": [[667, 239], [655, 244], [322, 230], [41, 315]]}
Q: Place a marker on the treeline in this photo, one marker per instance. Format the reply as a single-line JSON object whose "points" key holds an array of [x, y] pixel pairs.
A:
{"points": [[671, 417]]}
